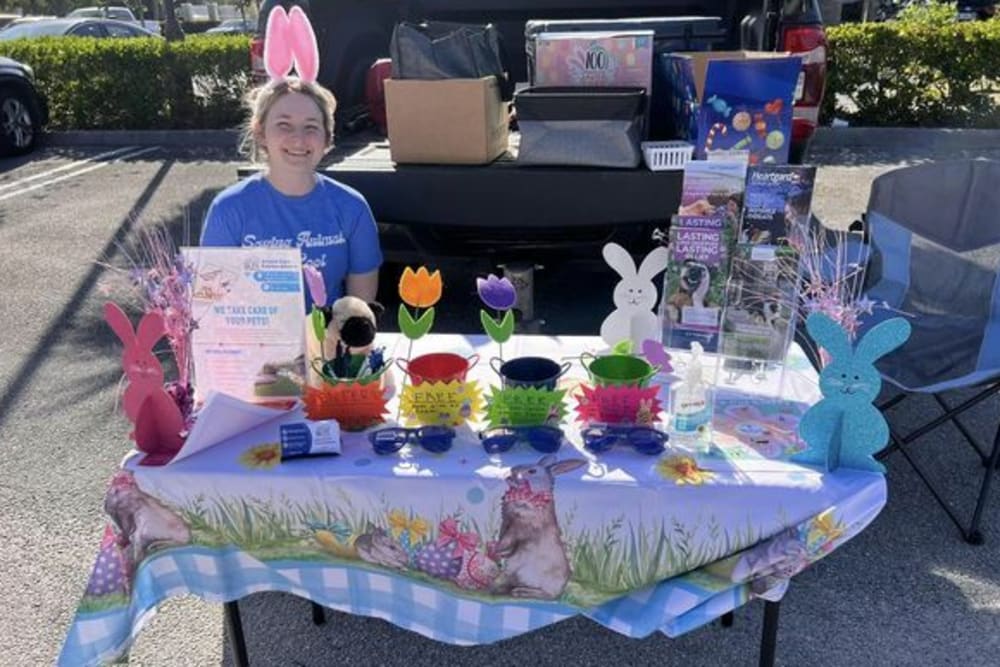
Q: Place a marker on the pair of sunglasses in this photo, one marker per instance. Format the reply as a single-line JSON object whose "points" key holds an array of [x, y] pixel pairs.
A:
{"points": [[599, 438], [544, 439], [435, 439]]}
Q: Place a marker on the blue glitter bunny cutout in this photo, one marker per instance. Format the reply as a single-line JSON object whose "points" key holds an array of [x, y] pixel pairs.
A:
{"points": [[844, 429]]}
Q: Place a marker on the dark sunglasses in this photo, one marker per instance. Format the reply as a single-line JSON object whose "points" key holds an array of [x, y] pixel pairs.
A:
{"points": [[544, 439], [435, 439], [599, 438]]}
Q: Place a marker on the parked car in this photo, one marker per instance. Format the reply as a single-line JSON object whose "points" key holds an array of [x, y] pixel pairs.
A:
{"points": [[75, 27], [118, 13], [234, 27], [23, 110], [976, 10], [26, 19]]}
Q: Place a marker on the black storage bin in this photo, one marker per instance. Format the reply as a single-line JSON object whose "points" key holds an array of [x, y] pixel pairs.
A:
{"points": [[585, 127], [674, 33]]}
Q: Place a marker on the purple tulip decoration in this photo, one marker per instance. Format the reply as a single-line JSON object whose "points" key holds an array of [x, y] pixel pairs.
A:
{"points": [[315, 283], [498, 294], [317, 290]]}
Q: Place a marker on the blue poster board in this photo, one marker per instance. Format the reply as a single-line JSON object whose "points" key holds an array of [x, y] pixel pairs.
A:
{"points": [[745, 104]]}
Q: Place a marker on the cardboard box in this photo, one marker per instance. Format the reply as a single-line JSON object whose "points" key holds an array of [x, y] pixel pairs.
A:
{"points": [[446, 121], [740, 100]]}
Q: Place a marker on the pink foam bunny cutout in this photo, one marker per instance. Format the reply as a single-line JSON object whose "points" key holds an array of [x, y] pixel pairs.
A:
{"points": [[290, 42], [158, 422]]}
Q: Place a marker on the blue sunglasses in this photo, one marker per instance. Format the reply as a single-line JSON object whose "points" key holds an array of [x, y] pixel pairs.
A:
{"points": [[599, 438], [435, 439], [544, 439]]}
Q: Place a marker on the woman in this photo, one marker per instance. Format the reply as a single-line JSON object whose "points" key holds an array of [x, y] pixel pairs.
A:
{"points": [[289, 205]]}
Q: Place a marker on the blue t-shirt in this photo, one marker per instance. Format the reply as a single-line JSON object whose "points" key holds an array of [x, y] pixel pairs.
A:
{"points": [[332, 225]]}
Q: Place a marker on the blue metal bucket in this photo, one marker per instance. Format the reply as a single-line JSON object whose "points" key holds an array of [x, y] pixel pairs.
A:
{"points": [[529, 372]]}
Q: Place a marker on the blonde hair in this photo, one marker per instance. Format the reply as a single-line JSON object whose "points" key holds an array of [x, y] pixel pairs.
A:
{"points": [[261, 99]]}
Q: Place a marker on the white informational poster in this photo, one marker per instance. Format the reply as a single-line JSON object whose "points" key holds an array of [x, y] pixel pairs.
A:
{"points": [[249, 307]]}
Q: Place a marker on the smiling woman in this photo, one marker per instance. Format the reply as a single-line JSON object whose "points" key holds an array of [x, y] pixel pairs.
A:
{"points": [[290, 129]]}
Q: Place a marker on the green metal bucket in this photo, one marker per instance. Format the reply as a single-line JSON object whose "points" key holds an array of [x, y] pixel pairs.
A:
{"points": [[620, 370]]}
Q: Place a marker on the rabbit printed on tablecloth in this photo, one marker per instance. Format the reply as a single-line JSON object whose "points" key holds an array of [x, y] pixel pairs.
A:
{"points": [[844, 428], [530, 542], [634, 296], [141, 521], [376, 546], [778, 559]]}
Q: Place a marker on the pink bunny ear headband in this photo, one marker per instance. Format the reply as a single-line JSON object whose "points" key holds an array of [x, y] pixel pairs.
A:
{"points": [[290, 41]]}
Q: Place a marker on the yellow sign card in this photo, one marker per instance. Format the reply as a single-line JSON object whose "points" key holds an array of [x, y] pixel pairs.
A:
{"points": [[440, 403]]}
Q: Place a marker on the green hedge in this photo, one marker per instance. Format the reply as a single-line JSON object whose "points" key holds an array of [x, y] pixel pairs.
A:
{"points": [[909, 73], [138, 83]]}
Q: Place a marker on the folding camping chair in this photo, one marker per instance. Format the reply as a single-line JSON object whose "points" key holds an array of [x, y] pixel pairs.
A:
{"points": [[934, 231]]}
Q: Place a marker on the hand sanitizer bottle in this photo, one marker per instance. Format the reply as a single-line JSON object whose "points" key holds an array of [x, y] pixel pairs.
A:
{"points": [[691, 406]]}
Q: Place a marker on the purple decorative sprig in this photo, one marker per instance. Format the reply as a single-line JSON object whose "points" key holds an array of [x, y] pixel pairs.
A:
{"points": [[830, 272], [161, 279]]}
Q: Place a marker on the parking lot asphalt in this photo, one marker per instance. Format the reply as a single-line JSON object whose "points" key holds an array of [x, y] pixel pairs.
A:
{"points": [[907, 591]]}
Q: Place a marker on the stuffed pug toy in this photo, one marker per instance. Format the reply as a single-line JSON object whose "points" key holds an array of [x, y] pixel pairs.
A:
{"points": [[351, 325]]}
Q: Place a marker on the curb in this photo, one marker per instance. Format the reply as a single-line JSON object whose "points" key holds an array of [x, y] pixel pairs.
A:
{"points": [[213, 138], [911, 138]]}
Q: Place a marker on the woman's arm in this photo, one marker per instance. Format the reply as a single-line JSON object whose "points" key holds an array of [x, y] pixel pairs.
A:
{"points": [[363, 285]]}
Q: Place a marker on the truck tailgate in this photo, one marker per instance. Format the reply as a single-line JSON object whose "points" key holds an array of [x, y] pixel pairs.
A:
{"points": [[502, 194]]}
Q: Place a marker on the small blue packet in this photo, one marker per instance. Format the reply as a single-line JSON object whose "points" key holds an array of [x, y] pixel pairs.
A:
{"points": [[310, 438]]}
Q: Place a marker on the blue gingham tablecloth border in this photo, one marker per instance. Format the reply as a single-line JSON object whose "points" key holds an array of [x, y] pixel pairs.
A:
{"points": [[224, 575]]}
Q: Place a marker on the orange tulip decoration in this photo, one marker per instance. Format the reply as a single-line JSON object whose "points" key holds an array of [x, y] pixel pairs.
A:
{"points": [[419, 289]]}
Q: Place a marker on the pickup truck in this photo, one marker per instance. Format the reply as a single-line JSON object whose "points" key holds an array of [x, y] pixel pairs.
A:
{"points": [[503, 212]]}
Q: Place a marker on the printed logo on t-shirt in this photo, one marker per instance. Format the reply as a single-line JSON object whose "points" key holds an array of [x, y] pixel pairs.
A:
{"points": [[304, 239], [316, 262]]}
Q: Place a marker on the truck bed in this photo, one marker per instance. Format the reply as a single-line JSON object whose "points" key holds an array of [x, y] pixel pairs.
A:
{"points": [[458, 211]]}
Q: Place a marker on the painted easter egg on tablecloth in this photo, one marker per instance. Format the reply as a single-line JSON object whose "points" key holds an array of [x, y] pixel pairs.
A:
{"points": [[438, 561], [478, 571], [110, 573]]}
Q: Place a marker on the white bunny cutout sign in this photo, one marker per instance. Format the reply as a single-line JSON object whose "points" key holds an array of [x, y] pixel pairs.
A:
{"points": [[634, 297]]}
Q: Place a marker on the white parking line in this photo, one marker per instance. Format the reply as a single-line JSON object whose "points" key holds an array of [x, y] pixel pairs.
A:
{"points": [[79, 172], [17, 182]]}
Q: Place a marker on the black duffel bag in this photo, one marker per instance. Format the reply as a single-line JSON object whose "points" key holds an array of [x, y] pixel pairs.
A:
{"points": [[442, 50]]}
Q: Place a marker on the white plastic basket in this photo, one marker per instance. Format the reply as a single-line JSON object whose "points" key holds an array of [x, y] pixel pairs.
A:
{"points": [[666, 155]]}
